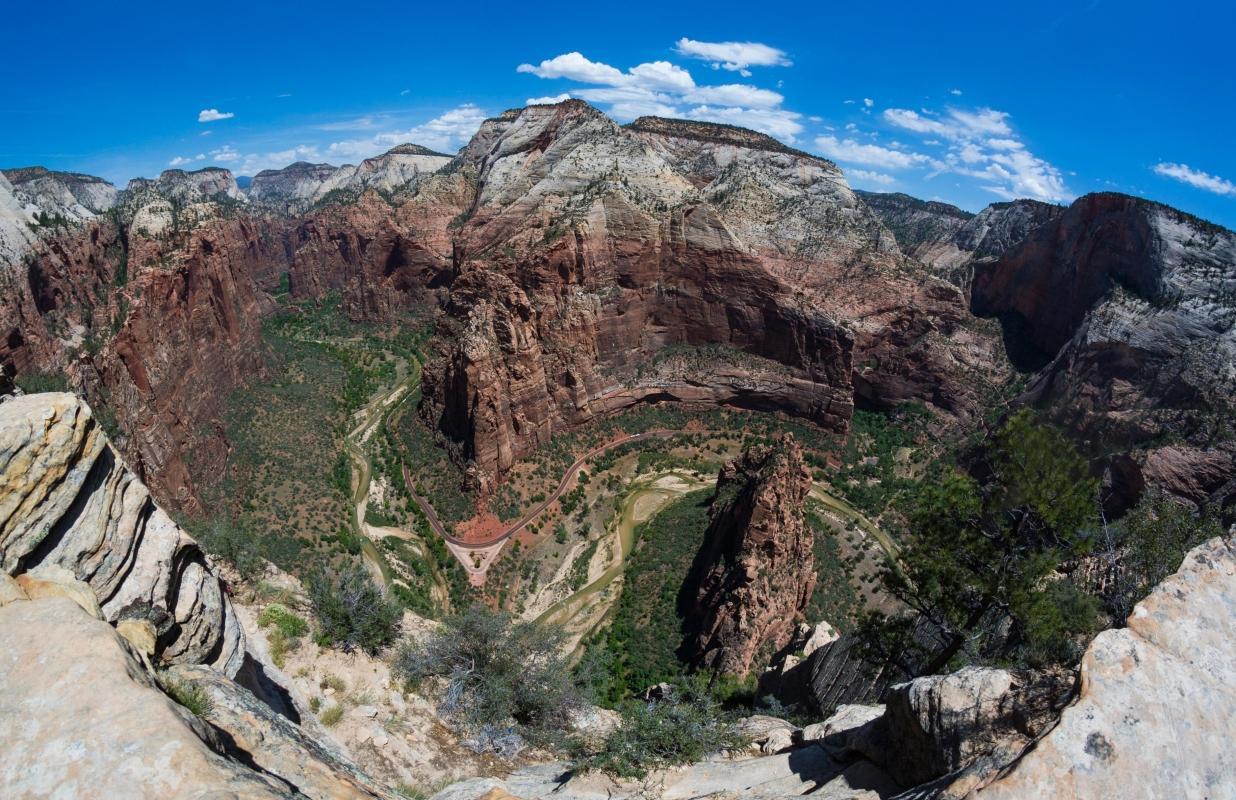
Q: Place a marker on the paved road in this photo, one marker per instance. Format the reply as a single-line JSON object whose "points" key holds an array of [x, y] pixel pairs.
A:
{"points": [[439, 529]]}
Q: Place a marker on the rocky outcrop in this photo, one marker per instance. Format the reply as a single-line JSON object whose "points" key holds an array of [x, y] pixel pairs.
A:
{"points": [[755, 571], [1129, 304], [921, 227], [1156, 708], [273, 743], [67, 501], [588, 249], [300, 186], [81, 715]]}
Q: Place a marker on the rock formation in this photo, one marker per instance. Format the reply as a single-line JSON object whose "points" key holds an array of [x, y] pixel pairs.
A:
{"points": [[299, 186], [1154, 716], [589, 248], [1130, 305], [755, 570], [67, 501]]}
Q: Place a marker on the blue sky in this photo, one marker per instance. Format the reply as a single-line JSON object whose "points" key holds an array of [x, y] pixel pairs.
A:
{"points": [[962, 102]]}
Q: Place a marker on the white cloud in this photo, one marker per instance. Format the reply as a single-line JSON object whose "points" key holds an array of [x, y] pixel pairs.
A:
{"points": [[664, 76], [868, 177], [445, 133], [574, 66], [955, 92], [205, 133], [735, 94], [213, 115], [980, 143], [1196, 178], [224, 155], [734, 56], [547, 101], [867, 101], [775, 122], [180, 161], [853, 152], [404, 92]]}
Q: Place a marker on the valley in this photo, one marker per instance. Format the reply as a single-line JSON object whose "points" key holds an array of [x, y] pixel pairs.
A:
{"points": [[627, 452]]}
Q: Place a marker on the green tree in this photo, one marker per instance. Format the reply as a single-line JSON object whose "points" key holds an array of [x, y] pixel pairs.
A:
{"points": [[498, 673], [1147, 546], [351, 610], [984, 551]]}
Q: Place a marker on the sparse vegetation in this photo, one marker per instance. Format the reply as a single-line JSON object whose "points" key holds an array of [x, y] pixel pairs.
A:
{"points": [[682, 728], [351, 610], [496, 676], [189, 694]]}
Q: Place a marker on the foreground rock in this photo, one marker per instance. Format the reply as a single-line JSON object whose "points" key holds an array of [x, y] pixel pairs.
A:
{"points": [[756, 569], [1156, 713], [81, 717], [70, 509]]}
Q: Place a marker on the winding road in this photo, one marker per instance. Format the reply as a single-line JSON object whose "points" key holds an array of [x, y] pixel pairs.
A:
{"points": [[438, 528]]}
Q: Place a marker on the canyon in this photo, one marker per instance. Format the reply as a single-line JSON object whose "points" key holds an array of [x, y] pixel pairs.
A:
{"points": [[569, 270]]}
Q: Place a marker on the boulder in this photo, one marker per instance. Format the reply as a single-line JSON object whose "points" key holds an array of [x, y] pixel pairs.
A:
{"points": [[1156, 710], [81, 717], [977, 718], [847, 717], [10, 590], [56, 581]]}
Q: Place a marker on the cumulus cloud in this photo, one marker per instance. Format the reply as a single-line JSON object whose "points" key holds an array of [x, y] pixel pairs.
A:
{"points": [[213, 115], [852, 152], [1196, 178], [447, 133], [735, 94], [734, 56], [955, 92], [574, 66], [660, 88], [863, 176], [548, 101], [980, 143], [224, 155]]}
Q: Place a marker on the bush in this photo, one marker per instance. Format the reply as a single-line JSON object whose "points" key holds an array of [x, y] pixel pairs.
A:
{"points": [[682, 728], [190, 695], [498, 674], [39, 382], [291, 626], [352, 612], [331, 716], [225, 539]]}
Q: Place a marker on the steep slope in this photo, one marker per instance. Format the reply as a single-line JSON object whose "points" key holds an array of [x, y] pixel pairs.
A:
{"points": [[920, 226], [68, 501], [1131, 304], [755, 571], [589, 247]]}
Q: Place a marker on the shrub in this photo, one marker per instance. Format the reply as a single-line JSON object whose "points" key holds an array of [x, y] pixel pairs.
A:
{"points": [[190, 695], [331, 716], [224, 538], [497, 673], [290, 625], [351, 610], [39, 382], [681, 728]]}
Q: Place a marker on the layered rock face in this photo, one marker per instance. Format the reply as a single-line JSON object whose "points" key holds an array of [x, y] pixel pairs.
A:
{"points": [[589, 248], [1132, 304], [755, 570], [68, 501], [155, 311]]}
